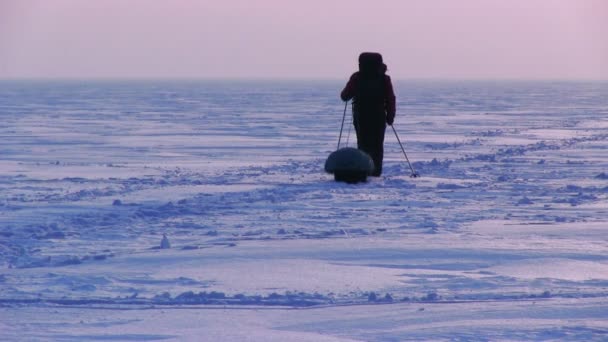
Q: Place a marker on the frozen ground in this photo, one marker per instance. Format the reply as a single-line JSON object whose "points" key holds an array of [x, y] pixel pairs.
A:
{"points": [[502, 238]]}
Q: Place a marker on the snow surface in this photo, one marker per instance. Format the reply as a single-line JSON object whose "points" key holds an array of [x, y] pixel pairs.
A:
{"points": [[502, 238]]}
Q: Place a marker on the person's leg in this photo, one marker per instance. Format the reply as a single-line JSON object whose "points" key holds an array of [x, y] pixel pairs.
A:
{"points": [[370, 139], [365, 143], [359, 133], [376, 148]]}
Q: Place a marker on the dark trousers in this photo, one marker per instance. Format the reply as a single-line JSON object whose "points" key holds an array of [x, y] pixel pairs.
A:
{"points": [[370, 138]]}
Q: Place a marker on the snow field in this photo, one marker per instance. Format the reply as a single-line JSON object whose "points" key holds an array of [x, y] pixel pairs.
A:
{"points": [[502, 238]]}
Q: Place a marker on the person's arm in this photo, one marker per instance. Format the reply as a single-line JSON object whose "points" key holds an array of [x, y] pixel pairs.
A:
{"points": [[391, 107], [349, 90]]}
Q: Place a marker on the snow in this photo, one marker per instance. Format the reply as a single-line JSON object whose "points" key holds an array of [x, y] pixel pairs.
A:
{"points": [[503, 237]]}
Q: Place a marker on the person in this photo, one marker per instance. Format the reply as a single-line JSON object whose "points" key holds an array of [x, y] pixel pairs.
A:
{"points": [[373, 105]]}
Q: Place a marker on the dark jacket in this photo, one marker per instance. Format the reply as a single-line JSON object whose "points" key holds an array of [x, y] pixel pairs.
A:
{"points": [[380, 101]]}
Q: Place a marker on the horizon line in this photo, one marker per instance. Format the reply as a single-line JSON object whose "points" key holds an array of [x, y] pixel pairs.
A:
{"points": [[292, 79]]}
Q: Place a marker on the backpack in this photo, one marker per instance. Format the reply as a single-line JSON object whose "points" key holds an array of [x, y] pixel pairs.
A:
{"points": [[370, 92], [370, 63]]}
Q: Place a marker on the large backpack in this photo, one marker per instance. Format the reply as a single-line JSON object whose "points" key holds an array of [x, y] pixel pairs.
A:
{"points": [[370, 62], [370, 92]]}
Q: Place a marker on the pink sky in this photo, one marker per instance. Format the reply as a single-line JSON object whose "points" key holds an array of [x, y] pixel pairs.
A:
{"points": [[531, 39]]}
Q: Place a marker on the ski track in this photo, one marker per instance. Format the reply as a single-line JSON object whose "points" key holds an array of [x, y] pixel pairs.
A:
{"points": [[258, 195], [475, 192]]}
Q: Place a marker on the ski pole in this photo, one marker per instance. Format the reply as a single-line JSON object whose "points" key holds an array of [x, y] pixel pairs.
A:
{"points": [[342, 127], [349, 128], [414, 173]]}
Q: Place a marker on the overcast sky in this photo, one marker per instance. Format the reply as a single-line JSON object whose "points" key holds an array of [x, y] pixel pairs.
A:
{"points": [[466, 39]]}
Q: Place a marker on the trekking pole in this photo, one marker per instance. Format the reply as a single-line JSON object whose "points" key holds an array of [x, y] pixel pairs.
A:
{"points": [[414, 173], [342, 127], [350, 124]]}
